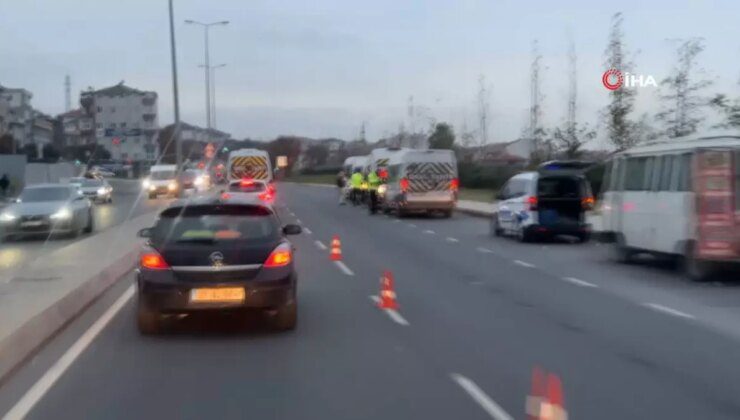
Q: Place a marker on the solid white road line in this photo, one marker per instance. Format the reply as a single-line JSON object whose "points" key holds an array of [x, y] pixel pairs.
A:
{"points": [[477, 394], [320, 244], [21, 409], [396, 221], [670, 311], [451, 239], [523, 263], [298, 221], [411, 225], [344, 268], [579, 282], [429, 231], [307, 230], [484, 250], [392, 313]]}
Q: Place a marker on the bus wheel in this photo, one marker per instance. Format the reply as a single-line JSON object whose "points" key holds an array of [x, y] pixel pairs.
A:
{"points": [[696, 269], [621, 252]]}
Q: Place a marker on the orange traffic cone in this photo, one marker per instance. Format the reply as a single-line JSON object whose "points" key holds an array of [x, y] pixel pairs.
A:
{"points": [[387, 294], [546, 399], [336, 249]]}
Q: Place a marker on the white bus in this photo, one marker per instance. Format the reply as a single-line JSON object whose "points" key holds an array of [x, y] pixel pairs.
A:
{"points": [[249, 164], [678, 197]]}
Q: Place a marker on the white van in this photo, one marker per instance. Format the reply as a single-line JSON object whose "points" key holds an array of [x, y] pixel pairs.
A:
{"points": [[249, 164], [421, 181], [162, 179], [679, 197], [549, 202], [379, 158]]}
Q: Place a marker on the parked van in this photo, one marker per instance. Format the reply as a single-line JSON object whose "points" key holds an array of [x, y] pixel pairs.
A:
{"points": [[679, 197], [549, 202], [249, 164], [421, 181]]}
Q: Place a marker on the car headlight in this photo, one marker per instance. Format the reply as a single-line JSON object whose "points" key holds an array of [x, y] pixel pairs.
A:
{"points": [[7, 216], [146, 184], [199, 181], [382, 188], [62, 214], [102, 191], [172, 186]]}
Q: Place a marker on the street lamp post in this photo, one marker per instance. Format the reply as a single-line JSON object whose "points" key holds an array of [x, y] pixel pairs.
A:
{"points": [[207, 66], [213, 93], [175, 97]]}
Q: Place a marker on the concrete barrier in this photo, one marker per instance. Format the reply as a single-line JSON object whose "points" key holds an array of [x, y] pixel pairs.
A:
{"points": [[43, 298]]}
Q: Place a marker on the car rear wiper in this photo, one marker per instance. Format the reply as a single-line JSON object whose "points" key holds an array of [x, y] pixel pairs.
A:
{"points": [[197, 241]]}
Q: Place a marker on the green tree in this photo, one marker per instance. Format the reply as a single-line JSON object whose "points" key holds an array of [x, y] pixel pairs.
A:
{"points": [[317, 154], [443, 137]]}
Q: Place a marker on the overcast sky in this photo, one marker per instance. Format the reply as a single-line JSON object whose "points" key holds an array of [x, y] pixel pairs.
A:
{"points": [[319, 68]]}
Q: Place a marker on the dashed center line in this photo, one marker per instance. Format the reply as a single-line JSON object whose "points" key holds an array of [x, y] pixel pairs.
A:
{"points": [[484, 250], [477, 394], [451, 239], [344, 268], [429, 232], [320, 244], [307, 230], [579, 282], [392, 313], [523, 263], [670, 311]]}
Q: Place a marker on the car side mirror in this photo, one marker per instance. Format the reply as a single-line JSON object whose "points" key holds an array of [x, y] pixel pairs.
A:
{"points": [[144, 233], [292, 230]]}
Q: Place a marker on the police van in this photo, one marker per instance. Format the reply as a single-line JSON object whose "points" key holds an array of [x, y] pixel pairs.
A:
{"points": [[249, 164], [678, 197], [420, 181], [545, 203]]}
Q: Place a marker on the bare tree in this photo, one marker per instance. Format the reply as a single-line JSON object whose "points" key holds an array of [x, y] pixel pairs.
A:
{"points": [[622, 100], [730, 110], [682, 110], [540, 148]]}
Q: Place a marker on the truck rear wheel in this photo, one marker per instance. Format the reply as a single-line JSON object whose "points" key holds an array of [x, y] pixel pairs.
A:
{"points": [[696, 269]]}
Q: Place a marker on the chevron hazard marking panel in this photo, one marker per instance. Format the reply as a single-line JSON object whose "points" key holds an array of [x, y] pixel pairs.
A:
{"points": [[254, 167], [430, 176]]}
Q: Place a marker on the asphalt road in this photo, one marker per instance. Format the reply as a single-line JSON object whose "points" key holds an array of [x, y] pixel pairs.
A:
{"points": [[127, 203], [477, 315]]}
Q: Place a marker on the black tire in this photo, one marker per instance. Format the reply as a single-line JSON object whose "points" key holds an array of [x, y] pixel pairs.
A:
{"points": [[147, 320], [583, 238], [523, 236], [495, 229], [447, 214], [286, 317], [401, 213], [90, 224], [696, 269], [110, 200], [621, 253]]}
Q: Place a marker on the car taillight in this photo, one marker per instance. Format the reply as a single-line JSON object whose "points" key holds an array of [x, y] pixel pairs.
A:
{"points": [[532, 201], [280, 257], [246, 182], [266, 196], [588, 203], [404, 184], [454, 184], [153, 261]]}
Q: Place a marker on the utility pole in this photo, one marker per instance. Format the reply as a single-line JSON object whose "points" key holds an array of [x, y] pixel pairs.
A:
{"points": [[572, 86], [67, 94], [213, 93], [482, 110], [534, 108], [410, 114], [207, 66], [175, 94], [362, 132]]}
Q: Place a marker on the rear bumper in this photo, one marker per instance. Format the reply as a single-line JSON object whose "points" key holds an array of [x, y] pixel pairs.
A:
{"points": [[421, 205], [559, 229], [45, 228], [175, 297]]}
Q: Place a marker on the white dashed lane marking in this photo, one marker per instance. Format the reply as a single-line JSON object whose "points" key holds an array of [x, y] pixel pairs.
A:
{"points": [[344, 268], [487, 404], [670, 311], [320, 244], [523, 263], [451, 239], [307, 230], [392, 313], [579, 282], [484, 250], [429, 232]]}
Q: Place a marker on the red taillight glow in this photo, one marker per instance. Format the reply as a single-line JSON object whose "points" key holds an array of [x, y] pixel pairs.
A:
{"points": [[280, 257], [588, 203], [266, 196], [225, 196], [246, 182], [532, 201], [454, 184], [404, 184], [153, 261]]}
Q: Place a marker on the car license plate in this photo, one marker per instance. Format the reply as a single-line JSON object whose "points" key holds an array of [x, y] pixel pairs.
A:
{"points": [[217, 295], [32, 223]]}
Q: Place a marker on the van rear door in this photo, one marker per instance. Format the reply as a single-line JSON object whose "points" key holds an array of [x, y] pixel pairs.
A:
{"points": [[431, 181], [716, 189], [561, 199]]}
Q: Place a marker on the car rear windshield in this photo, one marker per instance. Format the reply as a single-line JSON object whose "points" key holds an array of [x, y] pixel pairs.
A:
{"points": [[560, 187], [247, 187], [162, 175], [36, 195], [215, 223]]}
